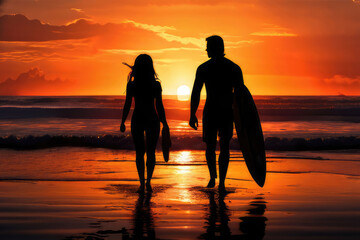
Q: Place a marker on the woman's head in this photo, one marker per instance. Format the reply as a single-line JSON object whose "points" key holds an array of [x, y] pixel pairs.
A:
{"points": [[143, 69]]}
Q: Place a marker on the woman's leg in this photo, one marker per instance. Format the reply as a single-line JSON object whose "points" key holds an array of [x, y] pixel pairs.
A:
{"points": [[152, 136], [138, 138]]}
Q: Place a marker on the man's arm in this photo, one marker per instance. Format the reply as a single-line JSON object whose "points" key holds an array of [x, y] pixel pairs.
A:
{"points": [[195, 99]]}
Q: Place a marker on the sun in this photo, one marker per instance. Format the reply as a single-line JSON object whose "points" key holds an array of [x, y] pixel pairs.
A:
{"points": [[183, 93]]}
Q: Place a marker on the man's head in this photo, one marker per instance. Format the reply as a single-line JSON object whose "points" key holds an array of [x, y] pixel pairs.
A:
{"points": [[215, 46]]}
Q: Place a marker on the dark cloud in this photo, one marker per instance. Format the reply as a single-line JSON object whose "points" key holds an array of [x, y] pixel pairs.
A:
{"points": [[1, 3], [19, 28], [34, 82]]}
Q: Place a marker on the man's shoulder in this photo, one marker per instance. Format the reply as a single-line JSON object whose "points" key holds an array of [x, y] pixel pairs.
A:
{"points": [[232, 64], [210, 64], [205, 65]]}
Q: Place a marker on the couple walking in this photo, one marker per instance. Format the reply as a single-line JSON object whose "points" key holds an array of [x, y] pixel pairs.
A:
{"points": [[222, 78]]}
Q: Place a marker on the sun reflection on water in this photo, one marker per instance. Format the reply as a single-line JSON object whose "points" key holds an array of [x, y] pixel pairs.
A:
{"points": [[184, 194], [182, 170], [183, 157]]}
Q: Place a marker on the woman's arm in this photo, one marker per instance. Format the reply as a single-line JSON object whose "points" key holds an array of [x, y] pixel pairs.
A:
{"points": [[126, 109]]}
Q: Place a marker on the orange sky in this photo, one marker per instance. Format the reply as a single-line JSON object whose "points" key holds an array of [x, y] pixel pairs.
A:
{"points": [[284, 47]]}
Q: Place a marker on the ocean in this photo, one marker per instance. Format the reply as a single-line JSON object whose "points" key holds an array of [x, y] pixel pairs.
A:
{"points": [[288, 122]]}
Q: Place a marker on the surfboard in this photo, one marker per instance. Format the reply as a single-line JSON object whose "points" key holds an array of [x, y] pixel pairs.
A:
{"points": [[166, 143], [250, 135]]}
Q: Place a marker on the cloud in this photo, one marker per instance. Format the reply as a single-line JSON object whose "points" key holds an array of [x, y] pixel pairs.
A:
{"points": [[341, 84], [241, 43], [56, 50], [154, 28], [34, 82], [274, 31], [153, 51], [77, 10], [128, 35], [183, 40], [88, 41], [19, 28], [80, 14], [343, 80], [33, 40], [1, 3], [161, 32], [273, 34]]}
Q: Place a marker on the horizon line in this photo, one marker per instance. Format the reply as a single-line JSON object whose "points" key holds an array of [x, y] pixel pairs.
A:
{"points": [[175, 95]]}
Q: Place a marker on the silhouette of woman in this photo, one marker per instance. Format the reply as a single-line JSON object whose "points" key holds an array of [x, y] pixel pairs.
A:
{"points": [[147, 115]]}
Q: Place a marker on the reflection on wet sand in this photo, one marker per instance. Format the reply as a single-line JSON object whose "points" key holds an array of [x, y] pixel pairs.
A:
{"points": [[143, 220], [142, 216], [253, 225], [218, 217]]}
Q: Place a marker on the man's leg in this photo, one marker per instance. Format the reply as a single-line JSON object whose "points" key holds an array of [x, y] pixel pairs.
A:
{"points": [[211, 160], [223, 161], [226, 133], [210, 138]]}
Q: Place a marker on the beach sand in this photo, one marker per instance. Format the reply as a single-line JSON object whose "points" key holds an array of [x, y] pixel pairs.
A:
{"points": [[87, 193]]}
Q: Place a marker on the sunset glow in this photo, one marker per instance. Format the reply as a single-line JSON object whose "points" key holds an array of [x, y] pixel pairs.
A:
{"points": [[129, 119], [77, 47]]}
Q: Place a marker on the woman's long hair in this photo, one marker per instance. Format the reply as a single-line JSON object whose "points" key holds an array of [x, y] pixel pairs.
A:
{"points": [[142, 71]]}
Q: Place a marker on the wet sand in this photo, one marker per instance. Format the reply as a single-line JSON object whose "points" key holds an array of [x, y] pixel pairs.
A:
{"points": [[81, 193]]}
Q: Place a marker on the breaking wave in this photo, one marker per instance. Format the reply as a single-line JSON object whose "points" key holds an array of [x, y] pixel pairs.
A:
{"points": [[178, 142]]}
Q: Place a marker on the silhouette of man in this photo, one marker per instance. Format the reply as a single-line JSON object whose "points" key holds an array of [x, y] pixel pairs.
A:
{"points": [[222, 78]]}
